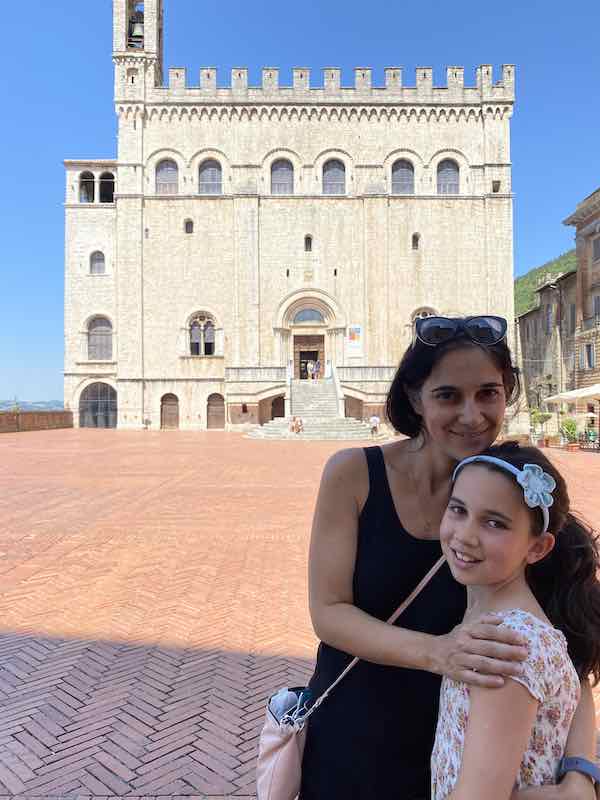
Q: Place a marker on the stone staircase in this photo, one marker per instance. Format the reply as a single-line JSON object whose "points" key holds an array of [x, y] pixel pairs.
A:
{"points": [[315, 402]]}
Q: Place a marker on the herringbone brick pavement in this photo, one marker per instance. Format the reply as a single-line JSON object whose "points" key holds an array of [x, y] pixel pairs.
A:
{"points": [[153, 594]]}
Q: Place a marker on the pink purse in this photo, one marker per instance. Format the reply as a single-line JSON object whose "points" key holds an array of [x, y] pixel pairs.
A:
{"points": [[281, 743]]}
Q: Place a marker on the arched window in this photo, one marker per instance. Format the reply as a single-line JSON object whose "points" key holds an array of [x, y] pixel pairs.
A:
{"points": [[107, 187], [334, 177], [86, 187], [98, 406], [97, 263], [308, 244], [403, 177], [202, 336], [188, 226], [448, 177], [211, 181], [167, 177], [100, 339], [282, 177], [309, 315]]}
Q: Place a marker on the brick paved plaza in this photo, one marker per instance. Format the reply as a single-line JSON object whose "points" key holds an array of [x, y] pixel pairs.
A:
{"points": [[153, 594]]}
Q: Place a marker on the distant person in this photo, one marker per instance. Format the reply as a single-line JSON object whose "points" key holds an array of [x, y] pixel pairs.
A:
{"points": [[310, 368], [374, 422], [317, 370]]}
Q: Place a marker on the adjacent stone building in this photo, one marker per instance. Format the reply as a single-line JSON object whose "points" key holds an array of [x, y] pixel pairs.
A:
{"points": [[243, 231], [547, 338], [560, 336]]}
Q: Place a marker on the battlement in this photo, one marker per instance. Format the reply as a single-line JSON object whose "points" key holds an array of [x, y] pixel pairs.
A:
{"points": [[394, 90]]}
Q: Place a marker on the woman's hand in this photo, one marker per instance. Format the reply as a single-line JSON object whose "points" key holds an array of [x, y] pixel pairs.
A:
{"points": [[480, 652]]}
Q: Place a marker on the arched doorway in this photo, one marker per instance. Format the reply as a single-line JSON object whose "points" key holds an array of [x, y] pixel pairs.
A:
{"points": [[169, 412], [98, 406], [278, 407], [215, 412]]}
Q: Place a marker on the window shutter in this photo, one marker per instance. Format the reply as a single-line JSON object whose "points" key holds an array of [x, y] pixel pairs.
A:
{"points": [[403, 177], [334, 177], [448, 177]]}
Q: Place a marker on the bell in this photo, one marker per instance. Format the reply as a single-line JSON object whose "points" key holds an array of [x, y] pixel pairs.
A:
{"points": [[137, 30]]}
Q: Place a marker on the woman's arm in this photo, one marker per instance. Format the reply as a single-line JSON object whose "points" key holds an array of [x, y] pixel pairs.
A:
{"points": [[581, 742], [479, 645], [497, 735]]}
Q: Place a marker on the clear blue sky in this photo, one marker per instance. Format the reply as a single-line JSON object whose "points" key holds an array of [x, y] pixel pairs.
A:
{"points": [[56, 90]]}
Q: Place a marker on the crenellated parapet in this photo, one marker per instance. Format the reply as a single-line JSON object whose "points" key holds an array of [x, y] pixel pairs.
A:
{"points": [[331, 91]]}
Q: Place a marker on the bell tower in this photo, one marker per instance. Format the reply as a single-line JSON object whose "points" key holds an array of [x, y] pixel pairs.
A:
{"points": [[137, 47]]}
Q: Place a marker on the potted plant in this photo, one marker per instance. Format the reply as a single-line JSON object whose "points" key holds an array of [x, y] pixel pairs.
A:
{"points": [[540, 418], [569, 431]]}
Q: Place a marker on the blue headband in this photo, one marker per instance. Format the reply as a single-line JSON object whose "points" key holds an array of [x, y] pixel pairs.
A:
{"points": [[537, 484]]}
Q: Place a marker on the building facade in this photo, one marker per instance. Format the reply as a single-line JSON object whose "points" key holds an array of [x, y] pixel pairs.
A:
{"points": [[586, 221], [244, 231], [560, 337], [547, 340]]}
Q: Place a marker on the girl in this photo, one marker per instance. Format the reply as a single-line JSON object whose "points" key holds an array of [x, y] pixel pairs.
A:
{"points": [[375, 535], [510, 538]]}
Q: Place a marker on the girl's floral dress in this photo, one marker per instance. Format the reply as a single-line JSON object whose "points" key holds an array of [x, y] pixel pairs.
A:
{"points": [[549, 677]]}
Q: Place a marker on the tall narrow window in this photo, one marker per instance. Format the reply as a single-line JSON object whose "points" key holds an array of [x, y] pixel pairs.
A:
{"points": [[403, 177], [282, 177], [416, 240], [590, 356], [195, 338], [548, 318], [209, 339], [448, 177], [167, 177], [211, 181], [596, 249], [86, 187], [572, 317], [308, 244], [97, 263], [99, 339], [334, 177], [188, 226], [107, 187]]}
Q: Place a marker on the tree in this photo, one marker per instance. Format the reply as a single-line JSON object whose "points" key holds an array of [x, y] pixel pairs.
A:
{"points": [[539, 418]]}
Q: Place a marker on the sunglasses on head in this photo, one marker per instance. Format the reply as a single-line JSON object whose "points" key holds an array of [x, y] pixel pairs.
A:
{"points": [[483, 330]]}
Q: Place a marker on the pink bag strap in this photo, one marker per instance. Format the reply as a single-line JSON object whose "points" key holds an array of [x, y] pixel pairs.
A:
{"points": [[401, 608]]}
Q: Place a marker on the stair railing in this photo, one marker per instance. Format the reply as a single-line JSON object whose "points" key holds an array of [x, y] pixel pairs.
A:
{"points": [[339, 392]]}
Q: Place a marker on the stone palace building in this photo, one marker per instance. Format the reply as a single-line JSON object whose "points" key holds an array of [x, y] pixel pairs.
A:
{"points": [[243, 231]]}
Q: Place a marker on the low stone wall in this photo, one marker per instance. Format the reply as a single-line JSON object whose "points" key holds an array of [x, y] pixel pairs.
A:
{"points": [[13, 422]]}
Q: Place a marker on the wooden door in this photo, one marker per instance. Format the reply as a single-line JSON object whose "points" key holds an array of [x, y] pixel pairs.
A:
{"points": [[169, 412], [215, 416]]}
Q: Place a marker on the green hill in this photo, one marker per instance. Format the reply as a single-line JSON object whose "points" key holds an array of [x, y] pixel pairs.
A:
{"points": [[526, 285]]}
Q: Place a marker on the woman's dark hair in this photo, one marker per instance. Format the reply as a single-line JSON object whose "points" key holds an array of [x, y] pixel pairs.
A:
{"points": [[417, 365], [565, 582]]}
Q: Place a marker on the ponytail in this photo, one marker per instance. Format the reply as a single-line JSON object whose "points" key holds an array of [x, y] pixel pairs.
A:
{"points": [[565, 584]]}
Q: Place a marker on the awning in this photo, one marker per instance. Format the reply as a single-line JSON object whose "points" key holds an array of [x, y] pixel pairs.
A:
{"points": [[591, 392]]}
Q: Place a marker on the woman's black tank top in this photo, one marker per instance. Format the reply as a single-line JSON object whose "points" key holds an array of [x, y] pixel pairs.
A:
{"points": [[372, 738]]}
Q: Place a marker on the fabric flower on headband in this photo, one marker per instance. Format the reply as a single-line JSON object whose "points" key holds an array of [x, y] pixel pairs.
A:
{"points": [[537, 486]]}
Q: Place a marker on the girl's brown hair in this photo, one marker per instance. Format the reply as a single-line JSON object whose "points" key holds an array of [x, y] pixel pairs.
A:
{"points": [[565, 582]]}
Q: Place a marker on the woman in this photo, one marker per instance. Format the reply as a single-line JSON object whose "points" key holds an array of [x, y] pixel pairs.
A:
{"points": [[375, 535]]}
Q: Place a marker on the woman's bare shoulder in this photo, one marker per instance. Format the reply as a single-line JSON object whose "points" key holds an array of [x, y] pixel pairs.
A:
{"points": [[346, 473]]}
